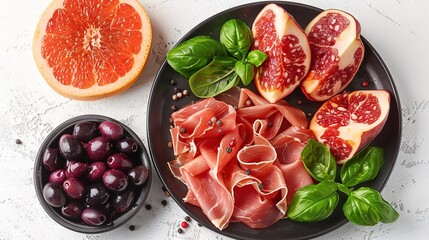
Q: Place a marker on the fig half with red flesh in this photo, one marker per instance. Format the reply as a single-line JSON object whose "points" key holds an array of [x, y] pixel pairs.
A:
{"points": [[349, 121], [337, 53], [277, 34]]}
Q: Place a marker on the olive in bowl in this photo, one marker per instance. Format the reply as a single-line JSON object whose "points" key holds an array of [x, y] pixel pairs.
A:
{"points": [[92, 174]]}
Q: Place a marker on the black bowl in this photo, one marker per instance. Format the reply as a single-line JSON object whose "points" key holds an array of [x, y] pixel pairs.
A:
{"points": [[372, 70], [41, 175]]}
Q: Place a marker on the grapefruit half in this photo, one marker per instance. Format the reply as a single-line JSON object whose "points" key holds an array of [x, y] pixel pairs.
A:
{"points": [[88, 50]]}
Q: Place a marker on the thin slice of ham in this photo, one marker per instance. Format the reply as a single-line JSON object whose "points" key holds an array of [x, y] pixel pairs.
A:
{"points": [[289, 145], [260, 196], [212, 196]]}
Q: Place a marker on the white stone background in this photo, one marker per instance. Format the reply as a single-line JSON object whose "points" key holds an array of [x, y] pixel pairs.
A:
{"points": [[29, 110]]}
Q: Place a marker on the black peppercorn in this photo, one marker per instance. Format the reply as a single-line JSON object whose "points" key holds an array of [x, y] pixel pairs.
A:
{"points": [[172, 82], [187, 218], [182, 130], [18, 141], [148, 207], [173, 107], [180, 230], [228, 149], [132, 227], [164, 203], [248, 172]]}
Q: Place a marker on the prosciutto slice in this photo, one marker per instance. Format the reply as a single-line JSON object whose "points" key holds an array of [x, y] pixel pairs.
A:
{"points": [[212, 196], [240, 159], [289, 145]]}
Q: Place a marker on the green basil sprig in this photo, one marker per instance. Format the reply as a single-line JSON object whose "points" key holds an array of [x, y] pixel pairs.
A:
{"points": [[313, 202], [364, 206], [198, 59], [214, 78], [318, 161], [363, 167], [193, 54]]}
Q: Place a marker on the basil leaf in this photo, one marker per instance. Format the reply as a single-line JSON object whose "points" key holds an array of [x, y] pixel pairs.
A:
{"points": [[245, 71], [313, 202], [343, 188], [236, 36], [318, 161], [193, 54], [366, 207], [363, 167], [256, 57], [217, 77]]}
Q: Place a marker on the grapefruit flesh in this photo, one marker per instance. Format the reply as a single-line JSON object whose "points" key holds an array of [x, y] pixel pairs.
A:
{"points": [[89, 50]]}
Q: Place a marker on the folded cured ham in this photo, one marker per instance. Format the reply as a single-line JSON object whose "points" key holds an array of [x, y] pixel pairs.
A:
{"points": [[240, 158]]}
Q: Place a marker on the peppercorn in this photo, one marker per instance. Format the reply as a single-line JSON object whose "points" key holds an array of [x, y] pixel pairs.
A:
{"points": [[132, 227], [309, 114], [261, 186], [148, 207], [176, 89], [170, 144], [180, 230], [228, 149], [164, 203], [187, 218], [248, 172], [182, 130], [172, 82], [299, 102], [173, 107], [18, 141], [219, 123]]}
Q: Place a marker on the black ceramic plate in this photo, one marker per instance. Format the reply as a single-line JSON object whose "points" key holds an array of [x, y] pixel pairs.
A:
{"points": [[373, 71]]}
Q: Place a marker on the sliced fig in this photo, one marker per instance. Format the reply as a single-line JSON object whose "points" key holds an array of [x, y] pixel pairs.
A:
{"points": [[276, 33], [337, 52], [349, 121]]}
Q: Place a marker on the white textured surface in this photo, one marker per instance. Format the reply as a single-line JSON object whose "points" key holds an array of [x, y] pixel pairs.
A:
{"points": [[29, 110]]}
